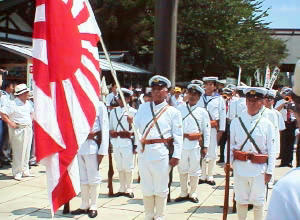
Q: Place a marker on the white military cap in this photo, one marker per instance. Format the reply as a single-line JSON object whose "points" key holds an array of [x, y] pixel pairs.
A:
{"points": [[21, 88], [231, 86], [272, 93], [227, 90], [210, 78], [197, 81], [160, 81], [127, 91], [256, 91], [221, 81], [242, 88], [196, 87]]}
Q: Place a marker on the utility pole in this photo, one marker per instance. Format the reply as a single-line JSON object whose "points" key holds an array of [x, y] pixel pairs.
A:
{"points": [[165, 38]]}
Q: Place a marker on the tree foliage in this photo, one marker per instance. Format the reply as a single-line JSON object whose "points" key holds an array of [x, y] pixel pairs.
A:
{"points": [[214, 37]]}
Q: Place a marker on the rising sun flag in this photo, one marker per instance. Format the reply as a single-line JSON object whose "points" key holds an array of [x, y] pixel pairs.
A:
{"points": [[66, 90]]}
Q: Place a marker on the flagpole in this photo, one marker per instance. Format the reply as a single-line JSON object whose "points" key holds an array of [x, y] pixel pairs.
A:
{"points": [[114, 74], [239, 76]]}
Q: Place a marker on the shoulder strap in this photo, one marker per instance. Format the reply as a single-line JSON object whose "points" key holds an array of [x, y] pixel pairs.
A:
{"points": [[188, 113], [249, 137], [152, 118], [191, 113], [119, 120], [154, 121]]}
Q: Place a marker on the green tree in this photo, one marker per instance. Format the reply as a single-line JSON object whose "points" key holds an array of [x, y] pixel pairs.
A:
{"points": [[214, 37]]}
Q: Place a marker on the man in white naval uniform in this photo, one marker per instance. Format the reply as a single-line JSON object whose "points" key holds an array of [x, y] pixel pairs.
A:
{"points": [[252, 154], [90, 155], [237, 105], [122, 140], [18, 116], [156, 140], [277, 121], [196, 129], [215, 106]]}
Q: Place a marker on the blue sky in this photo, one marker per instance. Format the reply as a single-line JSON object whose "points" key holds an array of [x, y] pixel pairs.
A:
{"points": [[283, 13]]}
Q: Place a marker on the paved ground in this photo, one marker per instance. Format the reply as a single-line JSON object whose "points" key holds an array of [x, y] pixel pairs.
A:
{"points": [[28, 199]]}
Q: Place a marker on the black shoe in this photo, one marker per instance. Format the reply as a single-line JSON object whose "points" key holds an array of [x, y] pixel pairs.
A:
{"points": [[33, 164], [129, 195], [250, 207], [92, 213], [212, 183], [283, 165], [119, 194], [201, 181], [290, 165], [79, 212], [180, 199], [221, 161], [194, 199]]}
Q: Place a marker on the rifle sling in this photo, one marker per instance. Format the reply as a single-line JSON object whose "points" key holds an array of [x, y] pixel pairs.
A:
{"points": [[191, 113], [152, 118], [249, 137], [119, 120]]}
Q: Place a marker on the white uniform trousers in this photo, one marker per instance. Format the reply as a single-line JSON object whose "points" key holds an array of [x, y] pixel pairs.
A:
{"points": [[88, 169], [154, 176], [124, 163], [212, 153], [211, 157], [250, 190], [20, 141], [124, 158], [190, 162], [89, 179]]}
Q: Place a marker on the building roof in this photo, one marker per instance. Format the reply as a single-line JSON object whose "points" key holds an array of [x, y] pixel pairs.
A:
{"points": [[26, 52]]}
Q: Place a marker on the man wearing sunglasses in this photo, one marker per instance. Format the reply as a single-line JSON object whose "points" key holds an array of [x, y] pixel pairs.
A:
{"points": [[252, 154]]}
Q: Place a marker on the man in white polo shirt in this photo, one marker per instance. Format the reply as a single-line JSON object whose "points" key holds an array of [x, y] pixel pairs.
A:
{"points": [[18, 116]]}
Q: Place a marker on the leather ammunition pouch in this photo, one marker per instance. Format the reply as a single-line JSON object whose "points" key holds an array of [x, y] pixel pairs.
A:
{"points": [[214, 124], [97, 137], [254, 158]]}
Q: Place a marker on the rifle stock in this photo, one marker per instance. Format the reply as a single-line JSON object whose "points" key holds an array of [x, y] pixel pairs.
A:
{"points": [[227, 180], [110, 172], [170, 183]]}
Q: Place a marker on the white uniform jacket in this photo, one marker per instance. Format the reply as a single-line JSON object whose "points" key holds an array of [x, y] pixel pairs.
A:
{"points": [[215, 105], [264, 136], [236, 107], [170, 124], [101, 124], [121, 114], [190, 125]]}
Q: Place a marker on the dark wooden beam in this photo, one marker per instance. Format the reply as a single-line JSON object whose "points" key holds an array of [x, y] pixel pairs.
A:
{"points": [[16, 32], [6, 5]]}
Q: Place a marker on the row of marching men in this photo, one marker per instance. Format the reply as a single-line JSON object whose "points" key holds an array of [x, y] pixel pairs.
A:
{"points": [[187, 136]]}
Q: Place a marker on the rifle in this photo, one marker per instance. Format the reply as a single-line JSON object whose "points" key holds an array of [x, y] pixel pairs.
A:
{"points": [[110, 172], [170, 183], [227, 180], [171, 151], [66, 209]]}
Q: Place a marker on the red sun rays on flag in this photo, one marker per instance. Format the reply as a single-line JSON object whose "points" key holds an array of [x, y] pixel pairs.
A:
{"points": [[66, 75]]}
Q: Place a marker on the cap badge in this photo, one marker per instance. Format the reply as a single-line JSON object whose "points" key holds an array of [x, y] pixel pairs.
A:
{"points": [[252, 92]]}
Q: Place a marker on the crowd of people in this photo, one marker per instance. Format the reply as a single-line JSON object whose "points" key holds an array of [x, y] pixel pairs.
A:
{"points": [[167, 127]]}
